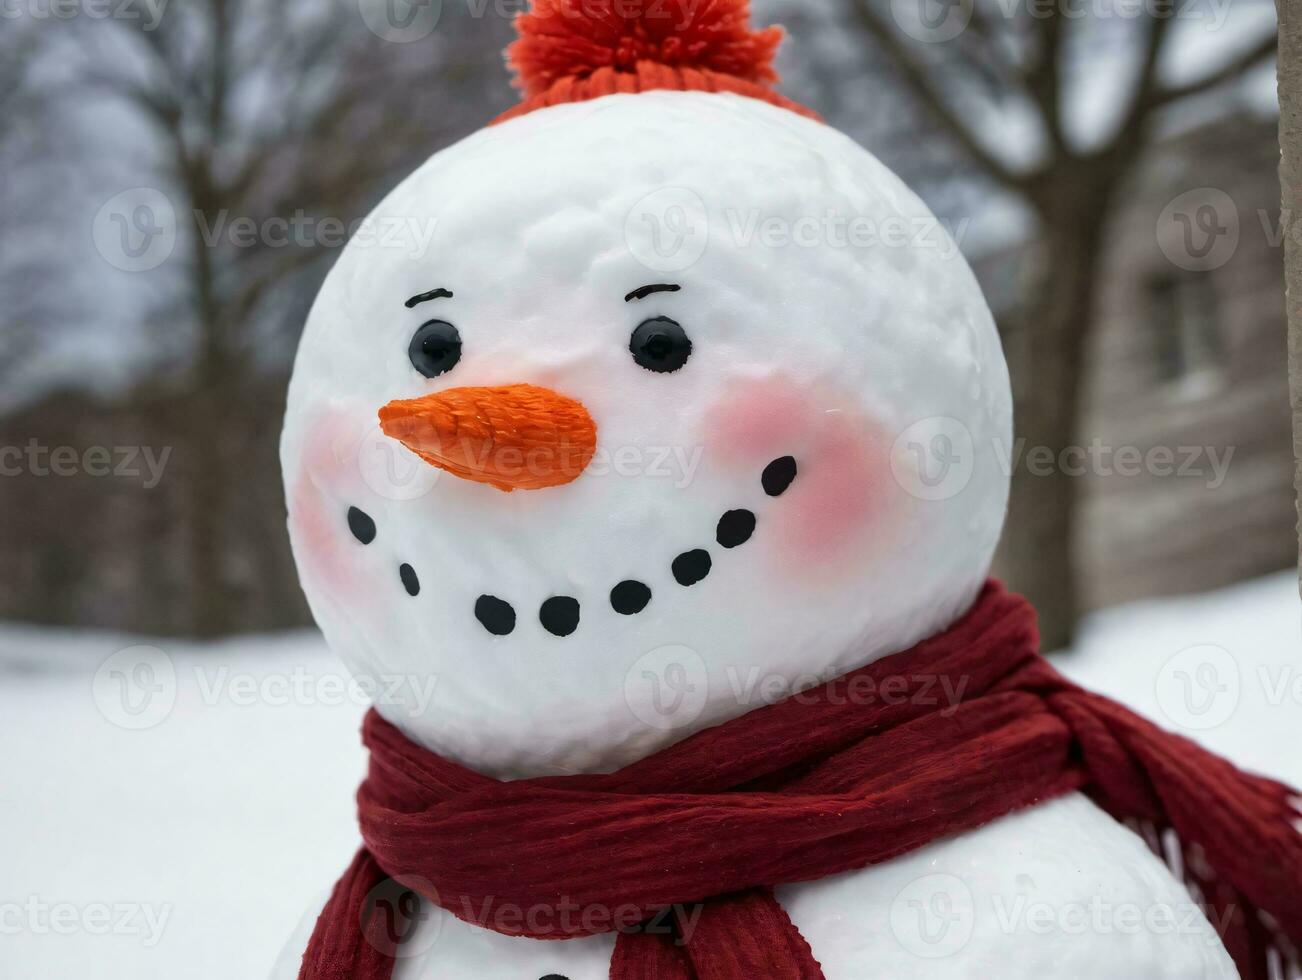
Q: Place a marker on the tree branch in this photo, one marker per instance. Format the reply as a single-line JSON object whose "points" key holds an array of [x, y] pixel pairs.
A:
{"points": [[1043, 80], [925, 90], [1130, 135], [1226, 73]]}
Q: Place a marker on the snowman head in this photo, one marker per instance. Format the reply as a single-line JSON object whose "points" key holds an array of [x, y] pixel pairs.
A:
{"points": [[626, 415]]}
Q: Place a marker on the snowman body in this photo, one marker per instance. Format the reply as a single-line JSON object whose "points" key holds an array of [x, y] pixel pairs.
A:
{"points": [[803, 474]]}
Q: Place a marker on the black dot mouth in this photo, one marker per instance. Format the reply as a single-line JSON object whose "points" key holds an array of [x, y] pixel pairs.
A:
{"points": [[778, 475], [361, 524], [630, 597], [410, 581], [560, 614], [735, 528], [691, 566], [495, 615]]}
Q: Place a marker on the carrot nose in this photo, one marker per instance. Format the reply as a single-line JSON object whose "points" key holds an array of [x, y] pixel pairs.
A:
{"points": [[514, 437]]}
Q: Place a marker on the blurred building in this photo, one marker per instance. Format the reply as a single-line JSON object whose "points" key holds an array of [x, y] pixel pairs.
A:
{"points": [[95, 512], [1186, 416]]}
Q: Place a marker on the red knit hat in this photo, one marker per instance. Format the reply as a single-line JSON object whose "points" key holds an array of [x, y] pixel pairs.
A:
{"points": [[574, 50]]}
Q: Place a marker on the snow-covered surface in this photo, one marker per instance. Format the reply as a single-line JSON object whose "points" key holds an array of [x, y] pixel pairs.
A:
{"points": [[228, 816], [233, 812], [1236, 654]]}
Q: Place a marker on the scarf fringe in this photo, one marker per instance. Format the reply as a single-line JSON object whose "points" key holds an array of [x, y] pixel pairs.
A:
{"points": [[1257, 943]]}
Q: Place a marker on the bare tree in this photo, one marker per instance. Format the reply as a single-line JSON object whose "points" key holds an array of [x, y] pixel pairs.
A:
{"points": [[1290, 138], [266, 110], [24, 269], [963, 73]]}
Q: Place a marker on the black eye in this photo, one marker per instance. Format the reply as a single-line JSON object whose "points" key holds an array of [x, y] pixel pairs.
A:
{"points": [[660, 345], [435, 348]]}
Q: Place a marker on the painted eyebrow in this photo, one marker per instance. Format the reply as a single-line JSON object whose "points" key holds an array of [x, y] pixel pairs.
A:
{"points": [[642, 292], [439, 293]]}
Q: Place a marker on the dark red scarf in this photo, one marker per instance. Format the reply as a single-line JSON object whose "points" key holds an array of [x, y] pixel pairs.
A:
{"points": [[821, 783]]}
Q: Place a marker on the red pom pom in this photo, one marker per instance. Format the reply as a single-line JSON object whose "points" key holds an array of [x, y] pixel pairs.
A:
{"points": [[573, 38]]}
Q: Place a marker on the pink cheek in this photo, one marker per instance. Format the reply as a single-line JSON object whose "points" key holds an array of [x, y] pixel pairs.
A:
{"points": [[757, 422], [315, 528], [840, 505], [838, 511], [327, 553]]}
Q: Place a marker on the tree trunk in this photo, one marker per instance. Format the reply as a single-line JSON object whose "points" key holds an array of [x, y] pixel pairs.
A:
{"points": [[1290, 138], [208, 471], [1046, 349], [215, 386]]}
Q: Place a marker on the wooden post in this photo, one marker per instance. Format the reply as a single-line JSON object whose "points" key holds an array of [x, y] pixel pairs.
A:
{"points": [[1290, 138]]}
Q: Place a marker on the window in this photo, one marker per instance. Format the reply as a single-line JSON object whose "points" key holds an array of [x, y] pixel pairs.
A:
{"points": [[1188, 343]]}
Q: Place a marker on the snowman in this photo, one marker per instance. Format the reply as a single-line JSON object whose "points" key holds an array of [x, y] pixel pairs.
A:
{"points": [[673, 404]]}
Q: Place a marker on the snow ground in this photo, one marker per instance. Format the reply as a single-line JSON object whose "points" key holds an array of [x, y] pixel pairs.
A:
{"points": [[190, 848]]}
